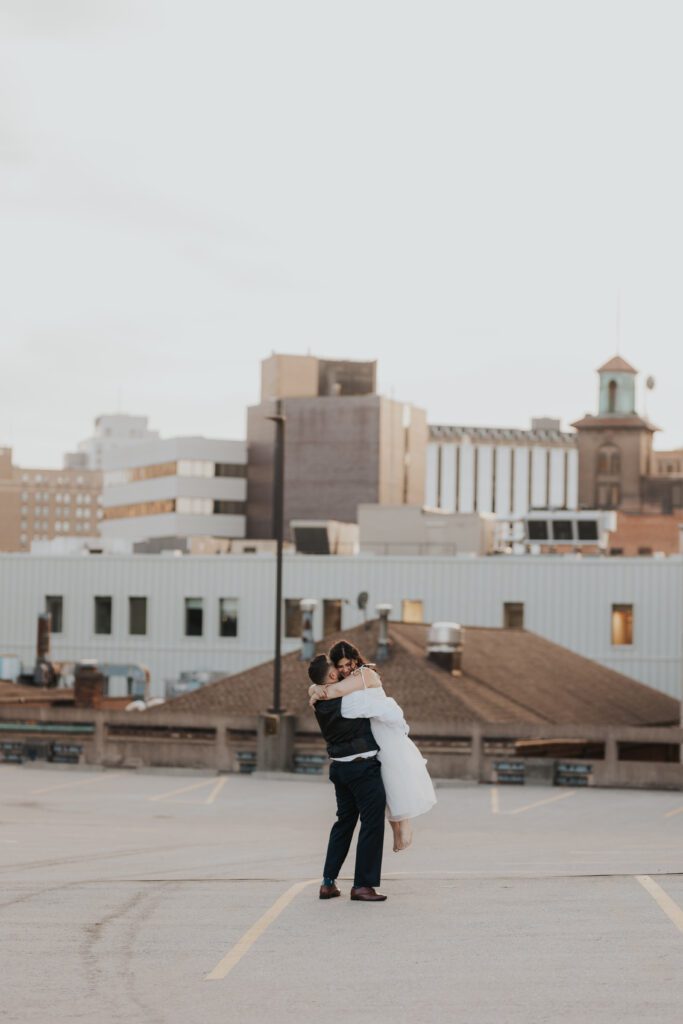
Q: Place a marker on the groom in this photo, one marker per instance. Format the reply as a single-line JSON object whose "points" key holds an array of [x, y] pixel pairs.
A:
{"points": [[355, 772]]}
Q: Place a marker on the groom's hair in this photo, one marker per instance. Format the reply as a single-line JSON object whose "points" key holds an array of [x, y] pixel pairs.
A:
{"points": [[318, 669]]}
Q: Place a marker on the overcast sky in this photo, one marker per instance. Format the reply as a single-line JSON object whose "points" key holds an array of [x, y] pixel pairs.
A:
{"points": [[456, 189]]}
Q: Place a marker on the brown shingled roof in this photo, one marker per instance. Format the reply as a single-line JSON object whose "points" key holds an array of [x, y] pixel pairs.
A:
{"points": [[508, 675], [617, 365]]}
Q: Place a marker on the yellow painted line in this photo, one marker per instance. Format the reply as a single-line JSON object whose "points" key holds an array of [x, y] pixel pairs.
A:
{"points": [[670, 814], [540, 803], [215, 791], [495, 800], [183, 789], [233, 956], [69, 785], [663, 901]]}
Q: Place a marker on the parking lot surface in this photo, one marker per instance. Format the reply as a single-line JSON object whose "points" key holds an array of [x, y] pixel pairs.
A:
{"points": [[163, 898]]}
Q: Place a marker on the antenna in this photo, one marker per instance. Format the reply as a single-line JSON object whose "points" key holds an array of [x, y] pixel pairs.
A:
{"points": [[618, 321]]}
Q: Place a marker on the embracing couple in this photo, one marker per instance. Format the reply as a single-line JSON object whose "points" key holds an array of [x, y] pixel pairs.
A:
{"points": [[375, 767]]}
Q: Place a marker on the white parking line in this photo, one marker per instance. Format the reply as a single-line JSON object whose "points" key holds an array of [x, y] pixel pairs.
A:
{"points": [[233, 956], [184, 789], [540, 803], [663, 900], [216, 790], [495, 800], [677, 810], [68, 785]]}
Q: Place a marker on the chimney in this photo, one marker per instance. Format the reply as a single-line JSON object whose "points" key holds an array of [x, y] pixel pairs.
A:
{"points": [[90, 686], [383, 610], [308, 606], [444, 646], [43, 642]]}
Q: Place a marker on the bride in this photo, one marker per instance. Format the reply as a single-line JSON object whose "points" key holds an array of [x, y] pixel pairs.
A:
{"points": [[408, 787]]}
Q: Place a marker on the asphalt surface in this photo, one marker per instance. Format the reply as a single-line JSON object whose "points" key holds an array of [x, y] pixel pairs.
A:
{"points": [[167, 898]]}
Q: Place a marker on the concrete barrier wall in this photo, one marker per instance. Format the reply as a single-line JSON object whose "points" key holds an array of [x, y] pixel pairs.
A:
{"points": [[454, 750]]}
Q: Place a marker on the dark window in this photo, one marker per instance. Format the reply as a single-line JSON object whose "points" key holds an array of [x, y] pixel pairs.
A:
{"points": [[293, 616], [194, 616], [562, 529], [609, 460], [608, 496], [644, 551], [332, 617], [137, 616], [677, 496], [538, 529], [54, 606], [612, 396], [230, 469], [229, 508], [616, 551], [588, 529], [513, 615], [227, 612], [103, 615]]}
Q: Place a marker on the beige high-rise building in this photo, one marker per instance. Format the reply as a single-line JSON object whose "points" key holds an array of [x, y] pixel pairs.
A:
{"points": [[39, 504], [345, 445]]}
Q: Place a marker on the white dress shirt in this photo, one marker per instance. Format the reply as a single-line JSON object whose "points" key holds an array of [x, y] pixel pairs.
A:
{"points": [[371, 702]]}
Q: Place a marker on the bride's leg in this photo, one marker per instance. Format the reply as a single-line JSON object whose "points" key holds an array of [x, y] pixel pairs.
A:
{"points": [[396, 829], [403, 834]]}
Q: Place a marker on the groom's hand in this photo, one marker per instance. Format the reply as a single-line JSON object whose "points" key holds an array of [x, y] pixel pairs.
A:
{"points": [[317, 693]]}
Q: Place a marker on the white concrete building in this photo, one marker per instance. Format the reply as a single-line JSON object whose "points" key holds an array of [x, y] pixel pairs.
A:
{"points": [[176, 487], [113, 432], [411, 530], [190, 613], [501, 471]]}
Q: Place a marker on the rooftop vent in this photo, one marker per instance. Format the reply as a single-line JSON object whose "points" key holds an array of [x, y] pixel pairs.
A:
{"points": [[384, 611], [444, 646]]}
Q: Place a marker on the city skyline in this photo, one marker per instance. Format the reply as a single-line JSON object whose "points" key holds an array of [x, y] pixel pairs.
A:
{"points": [[461, 194]]}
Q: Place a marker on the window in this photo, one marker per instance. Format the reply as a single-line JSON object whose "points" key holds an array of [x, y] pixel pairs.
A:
{"points": [[137, 616], [622, 624], [332, 617], [616, 551], [228, 469], [608, 496], [513, 615], [194, 506], [612, 396], [644, 551], [227, 616], [229, 508], [293, 616], [538, 529], [54, 606], [562, 529], [195, 467], [194, 616], [609, 460], [412, 611], [103, 616], [588, 529]]}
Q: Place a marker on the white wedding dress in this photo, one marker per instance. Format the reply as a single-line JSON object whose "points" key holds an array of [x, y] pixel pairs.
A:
{"points": [[406, 780]]}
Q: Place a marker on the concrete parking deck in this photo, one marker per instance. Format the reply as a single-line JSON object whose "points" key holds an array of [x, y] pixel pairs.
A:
{"points": [[168, 898]]}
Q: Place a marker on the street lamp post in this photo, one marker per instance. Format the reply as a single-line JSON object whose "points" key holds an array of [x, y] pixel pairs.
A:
{"points": [[278, 530]]}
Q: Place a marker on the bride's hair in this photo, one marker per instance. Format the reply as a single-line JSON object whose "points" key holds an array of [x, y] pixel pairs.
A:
{"points": [[343, 649]]}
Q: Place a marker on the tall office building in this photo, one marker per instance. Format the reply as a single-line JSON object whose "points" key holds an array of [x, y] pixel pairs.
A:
{"points": [[345, 445]]}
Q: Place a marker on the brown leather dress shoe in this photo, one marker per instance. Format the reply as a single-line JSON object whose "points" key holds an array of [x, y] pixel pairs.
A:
{"points": [[328, 892], [367, 894]]}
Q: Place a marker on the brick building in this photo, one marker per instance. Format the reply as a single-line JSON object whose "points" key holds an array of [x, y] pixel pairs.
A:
{"points": [[619, 469], [40, 504]]}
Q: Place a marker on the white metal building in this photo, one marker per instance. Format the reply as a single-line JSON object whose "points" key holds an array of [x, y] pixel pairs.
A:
{"points": [[216, 613], [503, 471], [175, 487]]}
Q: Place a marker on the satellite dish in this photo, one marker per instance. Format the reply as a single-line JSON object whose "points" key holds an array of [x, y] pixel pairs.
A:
{"points": [[363, 599], [650, 383]]}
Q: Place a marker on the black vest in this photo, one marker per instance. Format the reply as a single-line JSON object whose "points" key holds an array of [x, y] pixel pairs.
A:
{"points": [[344, 736]]}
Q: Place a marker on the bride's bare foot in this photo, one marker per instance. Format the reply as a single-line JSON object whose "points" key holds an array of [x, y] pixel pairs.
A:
{"points": [[403, 835]]}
